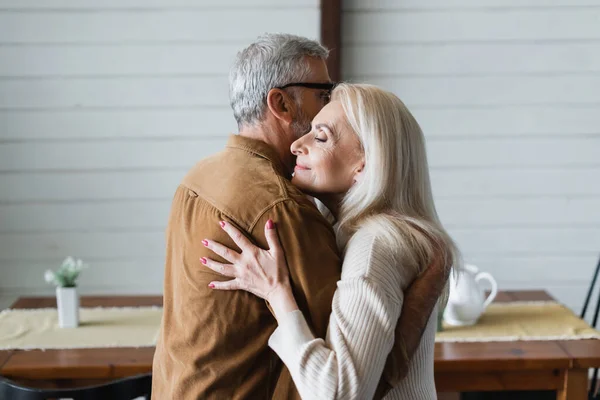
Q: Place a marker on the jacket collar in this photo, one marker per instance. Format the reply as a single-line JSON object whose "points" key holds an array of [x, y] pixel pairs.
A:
{"points": [[258, 148]]}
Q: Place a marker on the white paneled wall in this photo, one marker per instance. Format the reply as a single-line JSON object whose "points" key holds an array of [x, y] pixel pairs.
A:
{"points": [[103, 108], [105, 105], [508, 95]]}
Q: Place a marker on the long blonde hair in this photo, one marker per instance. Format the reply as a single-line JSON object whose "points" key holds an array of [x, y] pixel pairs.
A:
{"points": [[393, 198]]}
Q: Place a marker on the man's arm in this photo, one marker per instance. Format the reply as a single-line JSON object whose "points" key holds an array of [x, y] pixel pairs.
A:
{"points": [[310, 249], [419, 301]]}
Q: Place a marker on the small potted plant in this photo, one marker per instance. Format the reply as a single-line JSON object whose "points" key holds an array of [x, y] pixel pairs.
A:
{"points": [[67, 300]]}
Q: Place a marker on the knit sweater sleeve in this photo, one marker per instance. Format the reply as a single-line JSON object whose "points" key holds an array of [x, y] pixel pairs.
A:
{"points": [[366, 308]]}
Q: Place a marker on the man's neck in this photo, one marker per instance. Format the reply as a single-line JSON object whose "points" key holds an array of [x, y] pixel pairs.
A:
{"points": [[276, 140]]}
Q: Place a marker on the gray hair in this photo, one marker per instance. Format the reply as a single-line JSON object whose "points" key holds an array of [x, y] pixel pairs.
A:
{"points": [[274, 60]]}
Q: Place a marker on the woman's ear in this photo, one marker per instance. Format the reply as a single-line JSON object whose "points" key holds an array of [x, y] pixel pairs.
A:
{"points": [[280, 105], [359, 171]]}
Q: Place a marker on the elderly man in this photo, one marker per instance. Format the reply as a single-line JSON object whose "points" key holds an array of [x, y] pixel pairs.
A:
{"points": [[212, 344]]}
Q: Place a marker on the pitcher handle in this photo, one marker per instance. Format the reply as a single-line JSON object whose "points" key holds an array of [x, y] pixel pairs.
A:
{"points": [[486, 276]]}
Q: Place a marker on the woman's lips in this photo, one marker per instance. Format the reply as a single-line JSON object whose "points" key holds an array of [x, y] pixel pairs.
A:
{"points": [[300, 167]]}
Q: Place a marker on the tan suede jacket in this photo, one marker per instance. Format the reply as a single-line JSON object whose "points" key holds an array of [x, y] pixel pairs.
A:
{"points": [[213, 344]]}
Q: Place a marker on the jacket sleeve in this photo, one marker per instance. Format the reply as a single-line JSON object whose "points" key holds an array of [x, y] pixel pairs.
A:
{"points": [[311, 253]]}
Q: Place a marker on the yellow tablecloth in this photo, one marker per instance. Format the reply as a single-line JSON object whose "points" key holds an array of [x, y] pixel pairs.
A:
{"points": [[503, 322], [99, 327], [139, 326]]}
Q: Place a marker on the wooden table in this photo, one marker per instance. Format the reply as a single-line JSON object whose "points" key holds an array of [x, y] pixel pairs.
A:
{"points": [[531, 365], [560, 365]]}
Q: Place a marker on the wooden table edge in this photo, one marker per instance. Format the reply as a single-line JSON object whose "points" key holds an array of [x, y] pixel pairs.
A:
{"points": [[579, 362], [5, 355]]}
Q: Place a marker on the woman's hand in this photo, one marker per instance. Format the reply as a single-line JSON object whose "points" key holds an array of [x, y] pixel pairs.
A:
{"points": [[262, 272]]}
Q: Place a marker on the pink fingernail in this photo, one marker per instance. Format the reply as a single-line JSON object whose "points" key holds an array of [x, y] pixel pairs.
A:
{"points": [[270, 224], [211, 285], [222, 223], [205, 242], [203, 260]]}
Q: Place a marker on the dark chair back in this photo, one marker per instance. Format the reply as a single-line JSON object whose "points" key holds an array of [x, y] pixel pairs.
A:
{"points": [[122, 389], [592, 393]]}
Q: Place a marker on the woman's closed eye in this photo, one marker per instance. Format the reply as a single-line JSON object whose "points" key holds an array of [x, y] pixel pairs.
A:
{"points": [[321, 133]]}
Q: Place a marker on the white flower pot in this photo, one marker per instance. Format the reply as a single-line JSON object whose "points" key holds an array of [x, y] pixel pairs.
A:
{"points": [[67, 303]]}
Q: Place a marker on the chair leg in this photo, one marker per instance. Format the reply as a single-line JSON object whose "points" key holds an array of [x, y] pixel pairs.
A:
{"points": [[594, 324], [592, 394], [591, 289]]}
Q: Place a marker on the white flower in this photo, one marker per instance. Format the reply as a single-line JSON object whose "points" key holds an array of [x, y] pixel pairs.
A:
{"points": [[67, 274], [69, 263], [49, 276], [80, 265]]}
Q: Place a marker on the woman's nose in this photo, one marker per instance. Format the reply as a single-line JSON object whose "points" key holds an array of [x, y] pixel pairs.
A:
{"points": [[297, 147]]}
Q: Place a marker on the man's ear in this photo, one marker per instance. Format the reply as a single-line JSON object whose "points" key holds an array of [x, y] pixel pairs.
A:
{"points": [[280, 105]]}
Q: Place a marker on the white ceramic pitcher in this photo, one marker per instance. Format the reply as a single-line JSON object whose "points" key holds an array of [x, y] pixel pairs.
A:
{"points": [[467, 299]]}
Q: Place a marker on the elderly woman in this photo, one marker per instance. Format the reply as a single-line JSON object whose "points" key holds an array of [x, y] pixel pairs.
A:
{"points": [[365, 160]]}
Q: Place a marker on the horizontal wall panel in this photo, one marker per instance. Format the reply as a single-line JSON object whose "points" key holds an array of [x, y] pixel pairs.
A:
{"points": [[94, 5], [542, 241], [75, 186], [86, 245], [77, 60], [154, 26], [435, 5], [178, 154], [205, 91], [137, 288], [472, 59], [200, 122], [537, 268], [514, 153], [115, 92], [520, 212], [121, 244], [100, 273], [509, 121], [107, 154], [95, 186], [139, 215], [489, 91], [515, 182], [153, 214], [473, 25], [82, 125]]}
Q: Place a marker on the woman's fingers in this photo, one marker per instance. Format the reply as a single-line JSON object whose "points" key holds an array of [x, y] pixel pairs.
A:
{"points": [[223, 269], [223, 251], [272, 237], [233, 284], [237, 236]]}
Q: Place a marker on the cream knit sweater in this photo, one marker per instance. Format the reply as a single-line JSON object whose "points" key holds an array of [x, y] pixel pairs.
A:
{"points": [[366, 308]]}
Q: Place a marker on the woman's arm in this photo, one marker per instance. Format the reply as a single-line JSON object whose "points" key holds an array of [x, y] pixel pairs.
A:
{"points": [[349, 363], [366, 306]]}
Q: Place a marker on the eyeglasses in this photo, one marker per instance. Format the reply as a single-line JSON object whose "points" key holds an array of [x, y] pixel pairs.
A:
{"points": [[327, 87], [322, 86]]}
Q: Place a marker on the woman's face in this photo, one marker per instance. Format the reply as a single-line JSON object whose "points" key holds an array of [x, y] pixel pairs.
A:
{"points": [[329, 157]]}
